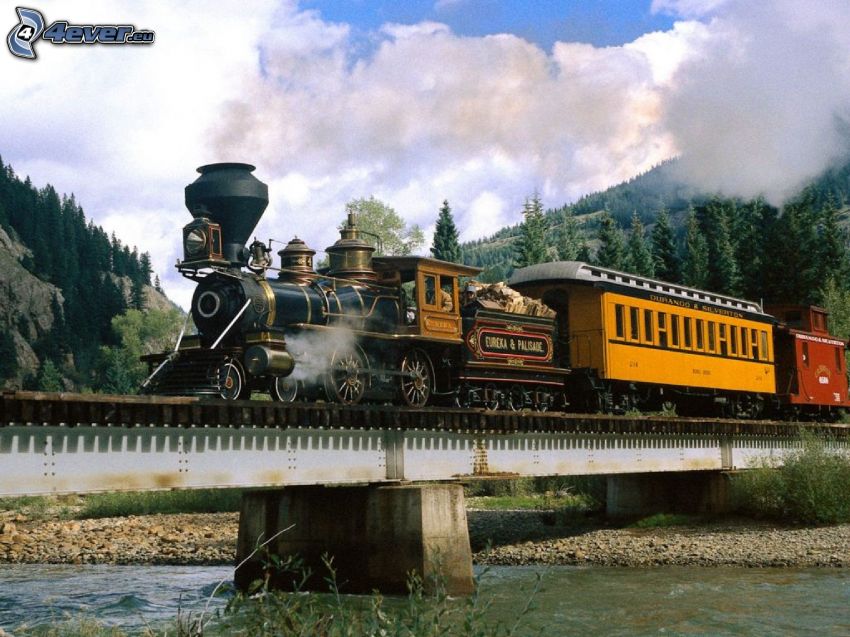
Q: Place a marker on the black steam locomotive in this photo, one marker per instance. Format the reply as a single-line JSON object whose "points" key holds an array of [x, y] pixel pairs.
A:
{"points": [[385, 329]]}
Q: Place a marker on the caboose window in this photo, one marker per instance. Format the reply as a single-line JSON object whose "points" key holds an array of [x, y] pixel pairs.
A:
{"points": [[838, 356], [620, 320], [712, 345], [688, 338], [700, 334], [634, 323], [722, 340], [805, 354], [674, 329], [647, 325]]}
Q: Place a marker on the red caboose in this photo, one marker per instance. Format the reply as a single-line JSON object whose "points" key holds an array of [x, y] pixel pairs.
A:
{"points": [[811, 371]]}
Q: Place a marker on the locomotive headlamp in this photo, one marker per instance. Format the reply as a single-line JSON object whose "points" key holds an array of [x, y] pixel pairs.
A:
{"points": [[196, 239], [208, 304]]}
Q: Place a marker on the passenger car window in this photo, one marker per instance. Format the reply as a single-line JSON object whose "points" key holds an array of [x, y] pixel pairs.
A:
{"points": [[620, 320]]}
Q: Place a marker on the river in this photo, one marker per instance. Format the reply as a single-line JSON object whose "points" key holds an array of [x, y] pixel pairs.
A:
{"points": [[571, 600]]}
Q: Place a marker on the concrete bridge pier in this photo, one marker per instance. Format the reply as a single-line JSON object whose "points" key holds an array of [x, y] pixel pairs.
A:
{"points": [[641, 494], [376, 535]]}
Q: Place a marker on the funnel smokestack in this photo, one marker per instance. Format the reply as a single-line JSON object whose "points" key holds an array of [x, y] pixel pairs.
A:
{"points": [[228, 194]]}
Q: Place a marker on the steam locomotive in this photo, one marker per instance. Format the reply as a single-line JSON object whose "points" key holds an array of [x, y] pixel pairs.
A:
{"points": [[367, 328], [397, 329]]}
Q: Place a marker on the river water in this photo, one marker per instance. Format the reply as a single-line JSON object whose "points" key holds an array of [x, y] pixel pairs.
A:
{"points": [[571, 600]]}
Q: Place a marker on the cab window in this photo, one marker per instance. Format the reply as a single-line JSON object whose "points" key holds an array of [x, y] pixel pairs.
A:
{"points": [[446, 300], [430, 290]]}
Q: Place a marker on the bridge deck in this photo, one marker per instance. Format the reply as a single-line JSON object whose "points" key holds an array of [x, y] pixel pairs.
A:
{"points": [[62, 443]]}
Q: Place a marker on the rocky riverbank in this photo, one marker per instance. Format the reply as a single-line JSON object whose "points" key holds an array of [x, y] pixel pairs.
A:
{"points": [[515, 537]]}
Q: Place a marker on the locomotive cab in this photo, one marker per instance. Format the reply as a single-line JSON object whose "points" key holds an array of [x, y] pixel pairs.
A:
{"points": [[431, 290]]}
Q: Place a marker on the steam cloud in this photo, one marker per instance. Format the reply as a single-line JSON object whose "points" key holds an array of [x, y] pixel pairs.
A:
{"points": [[763, 103], [313, 351]]}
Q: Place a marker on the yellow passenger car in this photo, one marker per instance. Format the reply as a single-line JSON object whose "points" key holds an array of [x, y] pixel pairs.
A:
{"points": [[634, 341]]}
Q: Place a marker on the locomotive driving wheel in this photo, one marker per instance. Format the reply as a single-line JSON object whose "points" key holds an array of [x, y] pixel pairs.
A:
{"points": [[467, 396], [347, 376], [543, 400], [284, 389], [417, 378], [516, 398], [231, 381]]}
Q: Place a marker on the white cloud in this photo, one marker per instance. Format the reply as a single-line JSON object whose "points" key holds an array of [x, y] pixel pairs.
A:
{"points": [[432, 115]]}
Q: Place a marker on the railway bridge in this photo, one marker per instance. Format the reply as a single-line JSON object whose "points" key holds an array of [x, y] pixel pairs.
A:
{"points": [[376, 486]]}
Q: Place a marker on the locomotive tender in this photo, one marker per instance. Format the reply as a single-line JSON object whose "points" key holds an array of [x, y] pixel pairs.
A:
{"points": [[390, 329]]}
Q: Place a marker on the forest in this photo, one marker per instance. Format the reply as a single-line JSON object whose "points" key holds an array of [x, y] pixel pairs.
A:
{"points": [[654, 226], [88, 267]]}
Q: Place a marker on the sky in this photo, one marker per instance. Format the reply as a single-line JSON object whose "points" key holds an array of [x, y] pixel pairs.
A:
{"points": [[481, 102]]}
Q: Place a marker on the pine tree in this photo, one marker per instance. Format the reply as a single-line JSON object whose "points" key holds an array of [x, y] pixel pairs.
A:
{"points": [[137, 295], [715, 219], [532, 242], [664, 254], [695, 266], [638, 257], [157, 285], [446, 246], [832, 245], [754, 230], [612, 251], [49, 377], [145, 268], [571, 243], [8, 356]]}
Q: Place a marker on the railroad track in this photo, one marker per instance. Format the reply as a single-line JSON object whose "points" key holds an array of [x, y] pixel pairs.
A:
{"points": [[77, 410]]}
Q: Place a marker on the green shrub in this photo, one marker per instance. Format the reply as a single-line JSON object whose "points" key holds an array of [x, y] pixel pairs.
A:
{"points": [[661, 520], [809, 485]]}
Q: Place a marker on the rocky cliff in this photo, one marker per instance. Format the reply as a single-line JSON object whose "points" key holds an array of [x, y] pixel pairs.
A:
{"points": [[27, 306]]}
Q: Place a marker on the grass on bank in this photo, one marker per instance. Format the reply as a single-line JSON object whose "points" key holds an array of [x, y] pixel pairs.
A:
{"points": [[811, 486], [117, 504]]}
